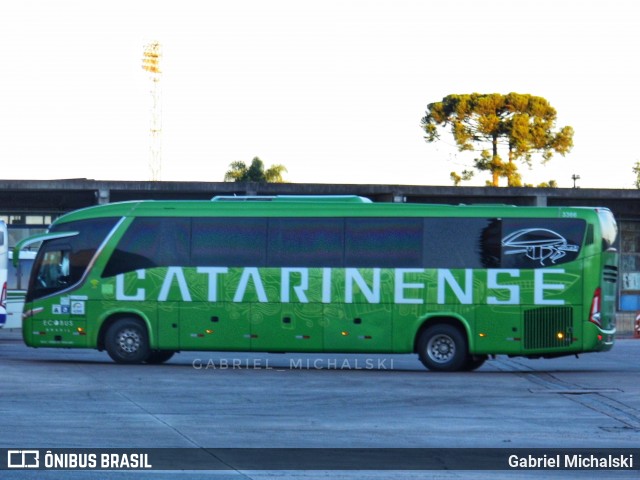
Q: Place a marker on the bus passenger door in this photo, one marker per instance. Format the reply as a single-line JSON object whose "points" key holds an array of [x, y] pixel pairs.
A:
{"points": [[63, 320]]}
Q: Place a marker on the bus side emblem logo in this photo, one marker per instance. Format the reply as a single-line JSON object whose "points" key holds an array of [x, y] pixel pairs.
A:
{"points": [[538, 244]]}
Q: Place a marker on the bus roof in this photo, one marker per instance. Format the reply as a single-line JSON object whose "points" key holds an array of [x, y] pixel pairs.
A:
{"points": [[314, 206], [292, 198]]}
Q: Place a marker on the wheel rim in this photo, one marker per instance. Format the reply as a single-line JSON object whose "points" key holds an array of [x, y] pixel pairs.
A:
{"points": [[441, 348], [129, 341]]}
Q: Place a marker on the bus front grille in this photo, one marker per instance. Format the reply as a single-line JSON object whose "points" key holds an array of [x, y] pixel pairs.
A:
{"points": [[548, 327]]}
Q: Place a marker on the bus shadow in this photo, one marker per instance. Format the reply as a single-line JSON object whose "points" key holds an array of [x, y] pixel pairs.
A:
{"points": [[295, 365]]}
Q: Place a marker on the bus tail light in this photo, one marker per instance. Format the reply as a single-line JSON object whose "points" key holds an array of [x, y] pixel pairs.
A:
{"points": [[594, 314]]}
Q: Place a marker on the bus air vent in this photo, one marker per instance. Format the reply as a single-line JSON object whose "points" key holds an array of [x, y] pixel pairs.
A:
{"points": [[548, 327], [610, 273]]}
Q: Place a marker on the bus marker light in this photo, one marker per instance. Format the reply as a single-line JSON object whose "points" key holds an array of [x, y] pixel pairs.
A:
{"points": [[481, 334], [209, 331], [599, 338], [344, 334]]}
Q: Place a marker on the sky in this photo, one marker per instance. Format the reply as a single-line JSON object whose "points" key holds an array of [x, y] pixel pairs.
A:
{"points": [[333, 90]]}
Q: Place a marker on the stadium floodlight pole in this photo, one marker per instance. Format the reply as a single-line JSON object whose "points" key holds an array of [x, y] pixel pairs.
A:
{"points": [[151, 64]]}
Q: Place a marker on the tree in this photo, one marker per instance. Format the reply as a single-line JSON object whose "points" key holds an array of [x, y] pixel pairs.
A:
{"points": [[458, 178], [636, 171], [239, 172], [522, 123], [549, 184]]}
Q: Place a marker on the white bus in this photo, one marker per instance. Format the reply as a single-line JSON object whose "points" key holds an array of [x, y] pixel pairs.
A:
{"points": [[4, 264], [17, 282]]}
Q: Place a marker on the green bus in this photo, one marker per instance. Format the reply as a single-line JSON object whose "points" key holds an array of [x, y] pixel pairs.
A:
{"points": [[454, 284]]}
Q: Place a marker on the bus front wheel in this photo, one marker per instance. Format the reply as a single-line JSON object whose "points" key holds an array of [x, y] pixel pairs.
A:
{"points": [[127, 341], [443, 348]]}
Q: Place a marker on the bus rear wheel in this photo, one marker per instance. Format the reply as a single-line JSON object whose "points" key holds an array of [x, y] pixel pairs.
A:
{"points": [[443, 348], [127, 341]]}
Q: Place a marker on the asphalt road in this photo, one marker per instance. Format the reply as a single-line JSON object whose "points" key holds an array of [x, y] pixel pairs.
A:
{"points": [[53, 398]]}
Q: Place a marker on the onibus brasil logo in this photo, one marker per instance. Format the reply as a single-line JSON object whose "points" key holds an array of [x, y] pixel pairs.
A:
{"points": [[23, 459]]}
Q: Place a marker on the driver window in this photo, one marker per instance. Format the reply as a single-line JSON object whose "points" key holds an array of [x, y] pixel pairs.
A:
{"points": [[54, 272]]}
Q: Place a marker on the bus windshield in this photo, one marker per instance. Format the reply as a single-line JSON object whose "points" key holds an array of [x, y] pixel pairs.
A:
{"points": [[62, 262]]}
